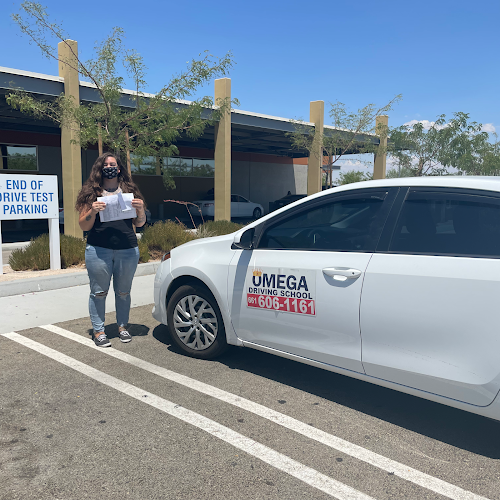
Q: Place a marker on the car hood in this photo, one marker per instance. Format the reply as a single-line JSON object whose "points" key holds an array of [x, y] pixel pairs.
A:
{"points": [[214, 240]]}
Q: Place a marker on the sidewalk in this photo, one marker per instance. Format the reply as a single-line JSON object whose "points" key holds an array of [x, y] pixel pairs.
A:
{"points": [[29, 310], [46, 299], [47, 280]]}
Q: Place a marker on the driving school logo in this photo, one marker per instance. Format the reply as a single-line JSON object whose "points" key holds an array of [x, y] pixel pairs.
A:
{"points": [[287, 290], [273, 283]]}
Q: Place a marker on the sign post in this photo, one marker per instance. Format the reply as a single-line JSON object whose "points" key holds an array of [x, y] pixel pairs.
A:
{"points": [[32, 197]]}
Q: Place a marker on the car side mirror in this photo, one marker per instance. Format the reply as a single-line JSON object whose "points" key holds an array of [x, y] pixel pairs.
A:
{"points": [[244, 240]]}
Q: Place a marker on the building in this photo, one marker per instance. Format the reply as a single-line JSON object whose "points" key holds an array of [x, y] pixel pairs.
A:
{"points": [[248, 153]]}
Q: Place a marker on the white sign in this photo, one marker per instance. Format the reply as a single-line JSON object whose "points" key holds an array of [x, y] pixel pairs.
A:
{"points": [[118, 206], [28, 197], [282, 290], [32, 197]]}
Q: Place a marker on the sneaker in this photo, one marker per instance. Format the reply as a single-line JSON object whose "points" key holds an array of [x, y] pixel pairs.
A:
{"points": [[124, 336], [102, 341]]}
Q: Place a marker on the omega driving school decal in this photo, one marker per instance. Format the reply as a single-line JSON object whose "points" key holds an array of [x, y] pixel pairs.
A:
{"points": [[285, 290]]}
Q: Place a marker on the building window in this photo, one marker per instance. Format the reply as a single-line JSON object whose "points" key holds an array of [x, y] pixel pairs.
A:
{"points": [[145, 165], [23, 158], [190, 167], [177, 166]]}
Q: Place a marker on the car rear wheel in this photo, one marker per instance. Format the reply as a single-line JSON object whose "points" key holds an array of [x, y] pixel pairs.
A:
{"points": [[195, 322], [257, 213]]}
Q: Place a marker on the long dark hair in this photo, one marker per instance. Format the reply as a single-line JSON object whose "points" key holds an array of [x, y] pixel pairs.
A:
{"points": [[93, 187]]}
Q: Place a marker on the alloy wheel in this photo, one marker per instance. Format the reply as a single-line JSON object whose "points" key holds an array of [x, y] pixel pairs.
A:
{"points": [[195, 322]]}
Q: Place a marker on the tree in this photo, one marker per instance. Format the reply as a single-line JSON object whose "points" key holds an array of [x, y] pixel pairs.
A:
{"points": [[354, 176], [156, 121], [348, 136], [457, 143]]}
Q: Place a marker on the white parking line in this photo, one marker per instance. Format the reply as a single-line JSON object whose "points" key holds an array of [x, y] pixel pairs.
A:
{"points": [[286, 464], [403, 471]]}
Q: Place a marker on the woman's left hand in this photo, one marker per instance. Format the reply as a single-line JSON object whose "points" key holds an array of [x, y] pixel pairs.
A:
{"points": [[138, 204]]}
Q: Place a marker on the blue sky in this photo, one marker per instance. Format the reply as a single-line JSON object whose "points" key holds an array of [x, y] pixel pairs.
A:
{"points": [[442, 55]]}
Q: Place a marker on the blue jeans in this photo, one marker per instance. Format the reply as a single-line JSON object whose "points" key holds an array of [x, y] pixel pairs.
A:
{"points": [[102, 263]]}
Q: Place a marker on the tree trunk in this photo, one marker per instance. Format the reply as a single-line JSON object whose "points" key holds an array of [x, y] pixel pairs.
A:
{"points": [[99, 138], [420, 168], [128, 153]]}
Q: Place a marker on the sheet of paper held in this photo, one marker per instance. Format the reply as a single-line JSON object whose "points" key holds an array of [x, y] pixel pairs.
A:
{"points": [[118, 206]]}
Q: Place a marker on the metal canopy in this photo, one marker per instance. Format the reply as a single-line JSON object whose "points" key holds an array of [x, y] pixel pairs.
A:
{"points": [[250, 132]]}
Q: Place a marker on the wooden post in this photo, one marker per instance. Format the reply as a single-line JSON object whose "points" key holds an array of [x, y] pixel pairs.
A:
{"points": [[71, 152], [222, 155], [380, 159], [314, 172]]}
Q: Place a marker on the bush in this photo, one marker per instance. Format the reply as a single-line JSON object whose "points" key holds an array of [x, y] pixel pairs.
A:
{"points": [[143, 251], [219, 227], [354, 176], [36, 256], [161, 237]]}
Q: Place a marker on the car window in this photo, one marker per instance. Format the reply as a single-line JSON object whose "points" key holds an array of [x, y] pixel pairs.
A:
{"points": [[347, 224], [234, 198], [448, 224], [242, 200]]}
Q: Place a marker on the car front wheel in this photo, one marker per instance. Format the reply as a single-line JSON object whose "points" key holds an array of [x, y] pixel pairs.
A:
{"points": [[257, 213], [195, 322]]}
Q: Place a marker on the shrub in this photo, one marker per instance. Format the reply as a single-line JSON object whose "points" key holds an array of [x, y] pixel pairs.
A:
{"points": [[143, 251], [219, 227], [72, 251], [354, 176], [36, 256], [161, 237]]}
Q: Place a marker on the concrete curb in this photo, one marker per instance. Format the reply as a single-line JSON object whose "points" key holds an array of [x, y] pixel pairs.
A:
{"points": [[19, 287]]}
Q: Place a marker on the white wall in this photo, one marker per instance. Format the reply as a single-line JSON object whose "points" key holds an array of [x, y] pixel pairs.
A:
{"points": [[264, 182]]}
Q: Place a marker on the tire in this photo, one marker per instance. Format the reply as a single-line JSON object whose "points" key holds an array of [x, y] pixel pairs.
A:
{"points": [[204, 340], [257, 213]]}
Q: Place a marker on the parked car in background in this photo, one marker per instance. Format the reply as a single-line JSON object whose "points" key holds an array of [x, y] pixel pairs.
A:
{"points": [[240, 207], [286, 200], [394, 282]]}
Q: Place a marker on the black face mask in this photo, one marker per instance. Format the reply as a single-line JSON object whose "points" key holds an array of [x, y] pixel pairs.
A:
{"points": [[110, 172]]}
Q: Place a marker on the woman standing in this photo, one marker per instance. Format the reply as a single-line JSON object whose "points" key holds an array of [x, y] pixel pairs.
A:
{"points": [[112, 249]]}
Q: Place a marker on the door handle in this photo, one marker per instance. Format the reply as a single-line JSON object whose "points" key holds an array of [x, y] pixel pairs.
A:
{"points": [[342, 273]]}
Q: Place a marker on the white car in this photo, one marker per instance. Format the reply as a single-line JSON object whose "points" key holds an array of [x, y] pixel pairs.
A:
{"points": [[394, 282], [240, 207]]}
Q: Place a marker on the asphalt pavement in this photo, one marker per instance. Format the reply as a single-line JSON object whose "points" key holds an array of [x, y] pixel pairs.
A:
{"points": [[143, 421]]}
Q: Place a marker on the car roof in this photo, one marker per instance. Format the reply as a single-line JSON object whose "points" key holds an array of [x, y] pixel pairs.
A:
{"points": [[452, 181]]}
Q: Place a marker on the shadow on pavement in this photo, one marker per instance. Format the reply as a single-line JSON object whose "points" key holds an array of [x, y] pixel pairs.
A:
{"points": [[134, 330], [457, 428]]}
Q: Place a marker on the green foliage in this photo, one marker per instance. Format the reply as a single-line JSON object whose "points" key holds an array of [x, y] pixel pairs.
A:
{"points": [[394, 173], [155, 121], [219, 227], [19, 161], [161, 237], [36, 256], [143, 251], [457, 143], [350, 135], [354, 176]]}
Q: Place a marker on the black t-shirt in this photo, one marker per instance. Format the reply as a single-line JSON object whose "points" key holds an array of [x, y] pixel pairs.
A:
{"points": [[116, 235]]}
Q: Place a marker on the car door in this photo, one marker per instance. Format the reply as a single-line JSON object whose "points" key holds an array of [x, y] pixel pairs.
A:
{"points": [[299, 290], [245, 207], [429, 309], [235, 206]]}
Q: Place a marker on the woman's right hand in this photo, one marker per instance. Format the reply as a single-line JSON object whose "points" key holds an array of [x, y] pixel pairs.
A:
{"points": [[98, 206]]}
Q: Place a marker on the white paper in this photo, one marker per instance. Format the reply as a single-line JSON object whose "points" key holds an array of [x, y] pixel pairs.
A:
{"points": [[118, 207]]}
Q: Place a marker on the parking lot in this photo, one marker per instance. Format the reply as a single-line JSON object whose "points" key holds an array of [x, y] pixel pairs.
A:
{"points": [[143, 421]]}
